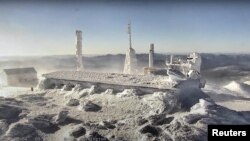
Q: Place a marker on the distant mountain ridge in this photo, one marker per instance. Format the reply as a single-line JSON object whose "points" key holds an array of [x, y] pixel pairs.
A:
{"points": [[114, 62]]}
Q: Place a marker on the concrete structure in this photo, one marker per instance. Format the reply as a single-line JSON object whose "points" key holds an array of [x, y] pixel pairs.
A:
{"points": [[104, 81], [79, 50], [151, 69], [130, 64], [19, 77], [151, 56]]}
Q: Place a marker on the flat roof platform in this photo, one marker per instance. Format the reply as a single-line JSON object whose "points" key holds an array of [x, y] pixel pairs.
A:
{"points": [[148, 81]]}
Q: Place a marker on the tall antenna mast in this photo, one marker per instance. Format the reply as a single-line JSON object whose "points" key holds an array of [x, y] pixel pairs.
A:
{"points": [[129, 34], [130, 65]]}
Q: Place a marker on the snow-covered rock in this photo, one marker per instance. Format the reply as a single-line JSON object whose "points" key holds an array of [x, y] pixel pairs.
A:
{"points": [[153, 130], [42, 122], [90, 107], [73, 102], [61, 117], [77, 88], [77, 131], [9, 111], [22, 131], [161, 102], [188, 97], [109, 91], [127, 93], [107, 125], [77, 93], [200, 107]]}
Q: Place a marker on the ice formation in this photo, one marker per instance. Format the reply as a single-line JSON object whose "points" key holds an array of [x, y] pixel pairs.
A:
{"points": [[160, 102], [179, 70], [200, 107], [130, 64], [79, 50]]}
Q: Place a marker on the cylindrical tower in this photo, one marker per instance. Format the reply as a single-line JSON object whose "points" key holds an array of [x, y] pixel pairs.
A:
{"points": [[171, 59], [151, 56], [79, 50]]}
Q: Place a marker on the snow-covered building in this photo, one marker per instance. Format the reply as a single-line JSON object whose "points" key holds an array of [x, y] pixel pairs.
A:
{"points": [[19, 77]]}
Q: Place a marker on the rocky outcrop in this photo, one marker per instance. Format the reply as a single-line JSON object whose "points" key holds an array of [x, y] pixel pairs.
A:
{"points": [[22, 131], [149, 129], [3, 127], [73, 102], [44, 123], [93, 135], [61, 117], [91, 107], [77, 131], [9, 111]]}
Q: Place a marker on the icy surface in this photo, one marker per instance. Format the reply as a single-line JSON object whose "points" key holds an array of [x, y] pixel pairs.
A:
{"points": [[177, 115], [113, 78]]}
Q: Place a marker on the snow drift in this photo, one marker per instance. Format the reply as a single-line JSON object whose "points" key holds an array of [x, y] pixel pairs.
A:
{"points": [[241, 89]]}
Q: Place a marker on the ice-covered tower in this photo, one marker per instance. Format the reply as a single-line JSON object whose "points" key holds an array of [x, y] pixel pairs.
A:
{"points": [[151, 56], [130, 65], [194, 61], [171, 59], [79, 50]]}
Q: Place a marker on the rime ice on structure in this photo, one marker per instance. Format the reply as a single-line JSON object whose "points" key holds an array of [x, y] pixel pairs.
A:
{"points": [[178, 73], [130, 65], [79, 50], [194, 61], [151, 56], [130, 62], [189, 69]]}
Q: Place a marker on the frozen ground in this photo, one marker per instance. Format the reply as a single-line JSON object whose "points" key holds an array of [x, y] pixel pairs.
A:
{"points": [[84, 114]]}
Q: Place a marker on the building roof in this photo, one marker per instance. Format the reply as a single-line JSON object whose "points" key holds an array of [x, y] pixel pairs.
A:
{"points": [[149, 81], [19, 71]]}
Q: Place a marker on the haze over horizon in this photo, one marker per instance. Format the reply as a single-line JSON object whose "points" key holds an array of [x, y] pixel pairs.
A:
{"points": [[48, 27]]}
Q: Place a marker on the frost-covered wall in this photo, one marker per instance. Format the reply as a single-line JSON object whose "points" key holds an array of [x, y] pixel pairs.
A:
{"points": [[51, 83], [29, 79]]}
